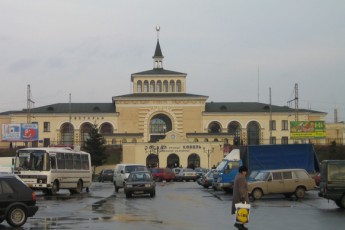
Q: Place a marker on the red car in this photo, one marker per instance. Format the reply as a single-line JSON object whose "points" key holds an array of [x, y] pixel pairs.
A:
{"points": [[160, 174]]}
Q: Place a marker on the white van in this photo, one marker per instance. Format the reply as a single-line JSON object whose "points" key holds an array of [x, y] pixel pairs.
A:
{"points": [[122, 171]]}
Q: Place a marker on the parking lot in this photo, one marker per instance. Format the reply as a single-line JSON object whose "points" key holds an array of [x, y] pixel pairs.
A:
{"points": [[177, 205]]}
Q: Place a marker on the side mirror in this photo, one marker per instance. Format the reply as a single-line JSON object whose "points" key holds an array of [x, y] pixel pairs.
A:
{"points": [[122, 172]]}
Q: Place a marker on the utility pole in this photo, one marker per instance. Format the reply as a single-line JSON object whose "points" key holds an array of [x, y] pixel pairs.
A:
{"points": [[29, 102], [296, 101]]}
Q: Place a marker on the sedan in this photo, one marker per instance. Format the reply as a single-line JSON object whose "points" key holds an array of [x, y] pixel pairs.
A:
{"points": [[140, 183], [106, 175], [186, 174]]}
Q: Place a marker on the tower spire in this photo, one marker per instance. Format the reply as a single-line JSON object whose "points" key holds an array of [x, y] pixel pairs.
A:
{"points": [[158, 56]]}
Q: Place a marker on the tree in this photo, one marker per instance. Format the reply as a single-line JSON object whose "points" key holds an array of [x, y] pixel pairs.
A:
{"points": [[95, 146]]}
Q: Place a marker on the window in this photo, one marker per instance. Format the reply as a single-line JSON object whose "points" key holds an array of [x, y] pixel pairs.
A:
{"points": [[165, 86], [69, 160], [46, 126], [273, 140], [178, 86], [272, 125], [285, 140], [159, 86], [287, 175], [285, 125], [277, 176], [60, 160], [5, 188], [85, 161], [146, 86], [76, 161], [172, 86], [152, 87], [140, 86]]}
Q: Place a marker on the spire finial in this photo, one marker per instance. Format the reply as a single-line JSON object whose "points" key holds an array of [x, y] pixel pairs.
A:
{"points": [[158, 28]]}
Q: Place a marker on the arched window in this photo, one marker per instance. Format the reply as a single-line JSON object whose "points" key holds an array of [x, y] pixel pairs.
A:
{"points": [[165, 86], [214, 127], [140, 86], [67, 131], [234, 129], [178, 86], [172, 86], [85, 131], [159, 86], [106, 128], [152, 86], [253, 133], [146, 86], [159, 125]]}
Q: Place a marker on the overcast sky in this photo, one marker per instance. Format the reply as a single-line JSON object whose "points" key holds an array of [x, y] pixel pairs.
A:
{"points": [[232, 51]]}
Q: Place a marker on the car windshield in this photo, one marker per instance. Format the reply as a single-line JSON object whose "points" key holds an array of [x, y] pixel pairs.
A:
{"points": [[131, 168], [108, 171], [139, 176], [30, 160], [262, 176]]}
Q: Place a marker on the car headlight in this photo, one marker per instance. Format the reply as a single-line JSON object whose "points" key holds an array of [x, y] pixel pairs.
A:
{"points": [[129, 186], [147, 185]]}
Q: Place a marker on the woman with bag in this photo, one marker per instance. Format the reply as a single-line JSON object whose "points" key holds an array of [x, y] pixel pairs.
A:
{"points": [[240, 193]]}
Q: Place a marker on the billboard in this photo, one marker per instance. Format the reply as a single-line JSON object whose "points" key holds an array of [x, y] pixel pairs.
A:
{"points": [[307, 129], [19, 132]]}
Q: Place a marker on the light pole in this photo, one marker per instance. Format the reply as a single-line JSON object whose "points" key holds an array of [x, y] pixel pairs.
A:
{"points": [[155, 150], [208, 151]]}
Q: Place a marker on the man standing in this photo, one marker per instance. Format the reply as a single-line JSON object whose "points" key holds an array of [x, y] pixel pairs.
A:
{"points": [[240, 192]]}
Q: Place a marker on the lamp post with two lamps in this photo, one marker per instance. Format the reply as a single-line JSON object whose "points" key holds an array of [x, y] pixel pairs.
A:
{"points": [[208, 151]]}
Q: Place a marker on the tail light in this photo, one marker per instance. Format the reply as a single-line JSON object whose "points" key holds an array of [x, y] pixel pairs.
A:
{"points": [[33, 196]]}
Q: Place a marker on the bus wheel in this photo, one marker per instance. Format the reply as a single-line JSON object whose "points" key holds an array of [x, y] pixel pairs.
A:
{"points": [[79, 188], [55, 188]]}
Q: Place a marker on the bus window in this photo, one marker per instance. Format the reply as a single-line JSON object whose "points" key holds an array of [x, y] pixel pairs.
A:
{"points": [[76, 161], [30, 160], [69, 160], [53, 162], [85, 162], [60, 160]]}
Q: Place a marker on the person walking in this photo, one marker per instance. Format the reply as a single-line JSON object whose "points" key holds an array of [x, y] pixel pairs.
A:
{"points": [[240, 192]]}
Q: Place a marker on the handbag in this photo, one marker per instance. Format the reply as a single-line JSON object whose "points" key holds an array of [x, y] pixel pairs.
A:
{"points": [[242, 213]]}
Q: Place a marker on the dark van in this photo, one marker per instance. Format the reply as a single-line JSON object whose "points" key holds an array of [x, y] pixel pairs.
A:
{"points": [[332, 181]]}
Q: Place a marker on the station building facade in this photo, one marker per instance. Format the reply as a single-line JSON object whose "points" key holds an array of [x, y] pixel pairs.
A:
{"points": [[160, 124]]}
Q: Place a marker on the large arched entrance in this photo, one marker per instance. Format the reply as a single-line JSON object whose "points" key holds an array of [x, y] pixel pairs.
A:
{"points": [[214, 127], [152, 161], [159, 125], [173, 161], [193, 161], [253, 133]]}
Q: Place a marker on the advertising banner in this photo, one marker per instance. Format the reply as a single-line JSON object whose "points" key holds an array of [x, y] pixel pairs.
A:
{"points": [[307, 129], [19, 132]]}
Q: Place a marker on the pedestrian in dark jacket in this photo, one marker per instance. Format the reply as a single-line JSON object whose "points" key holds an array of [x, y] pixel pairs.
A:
{"points": [[240, 192]]}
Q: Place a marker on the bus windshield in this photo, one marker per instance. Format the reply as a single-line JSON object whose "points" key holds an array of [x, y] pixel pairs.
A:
{"points": [[30, 160]]}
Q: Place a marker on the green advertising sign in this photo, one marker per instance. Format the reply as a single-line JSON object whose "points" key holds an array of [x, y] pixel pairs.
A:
{"points": [[307, 129]]}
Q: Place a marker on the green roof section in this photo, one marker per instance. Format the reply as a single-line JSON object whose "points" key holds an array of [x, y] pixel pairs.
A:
{"points": [[247, 107], [70, 107]]}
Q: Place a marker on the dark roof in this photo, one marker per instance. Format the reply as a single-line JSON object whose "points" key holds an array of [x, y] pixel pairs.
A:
{"points": [[75, 108], [158, 51], [248, 107], [160, 95], [158, 71]]}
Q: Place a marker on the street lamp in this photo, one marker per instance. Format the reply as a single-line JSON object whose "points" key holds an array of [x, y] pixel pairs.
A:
{"points": [[208, 151], [155, 150]]}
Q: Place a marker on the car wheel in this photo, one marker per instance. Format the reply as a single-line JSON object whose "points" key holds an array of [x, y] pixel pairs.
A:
{"points": [[257, 194], [341, 203], [206, 186], [153, 194], [79, 188], [128, 195], [300, 192], [16, 216]]}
